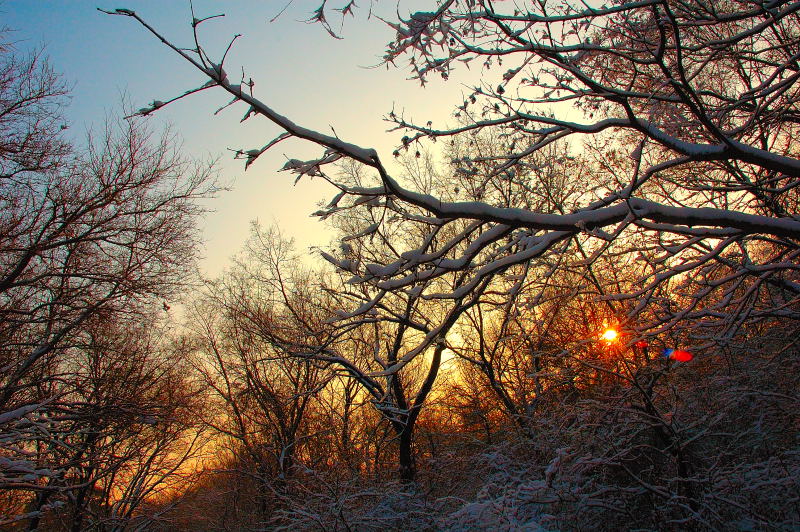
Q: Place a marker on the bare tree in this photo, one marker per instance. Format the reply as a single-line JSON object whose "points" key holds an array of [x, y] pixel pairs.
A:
{"points": [[127, 416], [262, 399], [101, 234], [673, 127], [296, 319], [695, 104]]}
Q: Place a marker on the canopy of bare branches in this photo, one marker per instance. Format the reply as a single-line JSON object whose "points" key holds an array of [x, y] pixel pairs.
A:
{"points": [[492, 340]]}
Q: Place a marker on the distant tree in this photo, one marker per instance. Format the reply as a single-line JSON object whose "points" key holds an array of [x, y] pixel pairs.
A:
{"points": [[258, 400], [90, 239], [128, 407], [275, 318]]}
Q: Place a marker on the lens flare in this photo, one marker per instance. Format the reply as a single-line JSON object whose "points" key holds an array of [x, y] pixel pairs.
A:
{"points": [[679, 355]]}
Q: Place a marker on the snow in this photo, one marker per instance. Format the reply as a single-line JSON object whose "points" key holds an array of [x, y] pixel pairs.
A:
{"points": [[252, 155], [18, 413], [370, 229], [363, 309], [363, 155]]}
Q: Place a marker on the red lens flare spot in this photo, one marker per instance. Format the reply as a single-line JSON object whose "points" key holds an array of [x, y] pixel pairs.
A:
{"points": [[678, 355]]}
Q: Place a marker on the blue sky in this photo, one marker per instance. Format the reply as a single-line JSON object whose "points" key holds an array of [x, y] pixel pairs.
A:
{"points": [[298, 69]]}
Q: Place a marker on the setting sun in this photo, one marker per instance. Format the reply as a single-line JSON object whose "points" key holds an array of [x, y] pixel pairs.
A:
{"points": [[609, 335]]}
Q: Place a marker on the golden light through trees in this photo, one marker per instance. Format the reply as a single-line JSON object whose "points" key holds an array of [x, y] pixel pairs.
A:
{"points": [[472, 350]]}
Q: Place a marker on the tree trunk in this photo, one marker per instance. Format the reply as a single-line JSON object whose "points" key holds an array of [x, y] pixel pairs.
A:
{"points": [[41, 500], [408, 466], [80, 500], [263, 492]]}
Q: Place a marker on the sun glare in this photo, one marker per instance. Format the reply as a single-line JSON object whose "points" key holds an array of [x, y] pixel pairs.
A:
{"points": [[609, 335]]}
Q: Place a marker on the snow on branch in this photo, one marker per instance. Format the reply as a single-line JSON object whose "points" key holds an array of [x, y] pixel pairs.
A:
{"points": [[687, 139]]}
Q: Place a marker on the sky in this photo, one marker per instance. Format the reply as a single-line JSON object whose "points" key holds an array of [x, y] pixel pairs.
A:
{"points": [[302, 72]]}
